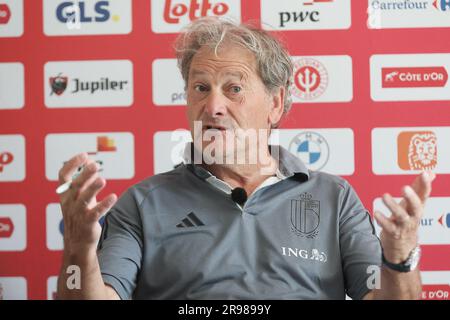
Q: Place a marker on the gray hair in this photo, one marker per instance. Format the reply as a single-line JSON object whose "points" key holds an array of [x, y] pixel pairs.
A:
{"points": [[274, 64]]}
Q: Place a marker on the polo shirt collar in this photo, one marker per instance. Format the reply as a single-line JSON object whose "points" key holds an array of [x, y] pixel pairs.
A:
{"points": [[289, 164]]}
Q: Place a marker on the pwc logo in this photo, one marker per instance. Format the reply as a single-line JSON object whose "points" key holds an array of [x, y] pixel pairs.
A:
{"points": [[170, 16], [442, 5], [87, 17], [6, 227], [309, 14], [5, 13], [417, 77], [417, 150], [306, 14]]}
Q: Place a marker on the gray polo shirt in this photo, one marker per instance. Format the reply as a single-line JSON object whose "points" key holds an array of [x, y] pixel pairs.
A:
{"points": [[178, 236]]}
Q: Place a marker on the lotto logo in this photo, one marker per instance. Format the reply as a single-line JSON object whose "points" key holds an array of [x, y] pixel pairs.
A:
{"points": [[196, 9], [170, 16], [12, 158], [12, 227], [11, 21], [5, 13]]}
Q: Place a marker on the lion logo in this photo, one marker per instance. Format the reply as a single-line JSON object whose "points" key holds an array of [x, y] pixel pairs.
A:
{"points": [[420, 148]]}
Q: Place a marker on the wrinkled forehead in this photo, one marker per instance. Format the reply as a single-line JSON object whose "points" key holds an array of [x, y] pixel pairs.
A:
{"points": [[231, 60]]}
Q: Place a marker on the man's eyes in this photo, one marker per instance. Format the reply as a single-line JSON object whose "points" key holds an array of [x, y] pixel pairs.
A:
{"points": [[200, 88], [203, 88], [236, 89]]}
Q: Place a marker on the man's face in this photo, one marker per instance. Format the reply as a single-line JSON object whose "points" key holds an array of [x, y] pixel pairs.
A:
{"points": [[225, 92]]}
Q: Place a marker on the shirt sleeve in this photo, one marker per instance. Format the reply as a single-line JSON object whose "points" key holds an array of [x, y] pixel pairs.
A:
{"points": [[120, 246], [360, 247]]}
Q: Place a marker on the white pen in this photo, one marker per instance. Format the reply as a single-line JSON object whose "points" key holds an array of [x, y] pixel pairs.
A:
{"points": [[66, 186]]}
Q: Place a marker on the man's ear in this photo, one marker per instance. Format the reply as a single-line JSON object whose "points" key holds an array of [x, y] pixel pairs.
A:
{"points": [[276, 106]]}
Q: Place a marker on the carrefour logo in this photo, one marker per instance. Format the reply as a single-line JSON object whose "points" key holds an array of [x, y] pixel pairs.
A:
{"points": [[444, 220], [442, 5]]}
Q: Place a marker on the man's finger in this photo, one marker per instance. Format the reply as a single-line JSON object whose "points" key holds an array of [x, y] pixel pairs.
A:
{"points": [[91, 191], [103, 206], [385, 223], [398, 212], [88, 174], [69, 168], [413, 202], [422, 184]]}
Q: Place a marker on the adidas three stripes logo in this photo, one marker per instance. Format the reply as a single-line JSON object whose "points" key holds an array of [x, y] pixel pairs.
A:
{"points": [[191, 220]]}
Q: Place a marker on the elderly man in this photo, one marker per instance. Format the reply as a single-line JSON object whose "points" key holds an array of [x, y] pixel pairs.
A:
{"points": [[226, 226]]}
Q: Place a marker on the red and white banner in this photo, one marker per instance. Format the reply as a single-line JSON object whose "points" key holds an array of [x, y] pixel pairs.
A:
{"points": [[371, 103]]}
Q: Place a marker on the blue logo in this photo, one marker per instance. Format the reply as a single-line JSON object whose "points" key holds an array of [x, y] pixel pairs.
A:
{"points": [[312, 149], [444, 220], [442, 5], [61, 227], [69, 11]]}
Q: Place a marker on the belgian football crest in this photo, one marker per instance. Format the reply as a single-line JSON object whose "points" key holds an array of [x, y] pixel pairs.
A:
{"points": [[305, 216]]}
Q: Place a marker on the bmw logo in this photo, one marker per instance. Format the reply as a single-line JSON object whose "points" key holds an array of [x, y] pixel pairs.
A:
{"points": [[312, 149]]}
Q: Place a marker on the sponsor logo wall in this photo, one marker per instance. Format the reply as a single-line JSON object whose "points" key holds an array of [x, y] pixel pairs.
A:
{"points": [[101, 77]]}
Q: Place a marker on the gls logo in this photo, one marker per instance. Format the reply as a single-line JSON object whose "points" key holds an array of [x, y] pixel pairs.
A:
{"points": [[87, 17], [69, 12]]}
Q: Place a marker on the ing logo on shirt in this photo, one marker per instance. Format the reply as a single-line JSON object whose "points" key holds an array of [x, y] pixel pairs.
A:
{"points": [[305, 216], [417, 150]]}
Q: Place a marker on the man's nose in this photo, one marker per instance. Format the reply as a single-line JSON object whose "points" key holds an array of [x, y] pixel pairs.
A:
{"points": [[216, 104]]}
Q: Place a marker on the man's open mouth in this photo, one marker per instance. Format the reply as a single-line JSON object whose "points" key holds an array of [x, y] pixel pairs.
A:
{"points": [[213, 127]]}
